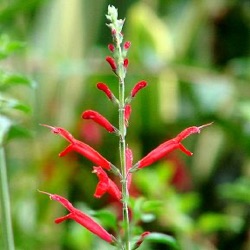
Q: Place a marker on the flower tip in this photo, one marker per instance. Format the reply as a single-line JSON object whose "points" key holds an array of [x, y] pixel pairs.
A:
{"points": [[47, 126], [43, 192], [205, 125]]}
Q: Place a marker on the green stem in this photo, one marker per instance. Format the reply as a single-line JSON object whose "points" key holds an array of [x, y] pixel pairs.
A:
{"points": [[122, 148], [7, 233]]}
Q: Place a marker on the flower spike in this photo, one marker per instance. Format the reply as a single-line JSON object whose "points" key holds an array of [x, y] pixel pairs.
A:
{"points": [[163, 149], [81, 148], [98, 118], [105, 185], [81, 218]]}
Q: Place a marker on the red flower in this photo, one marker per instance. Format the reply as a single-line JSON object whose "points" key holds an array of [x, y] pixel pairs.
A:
{"points": [[80, 148], [141, 239], [111, 62], [90, 114], [129, 161], [169, 146], [125, 63], [103, 87], [105, 185], [127, 45], [137, 87], [111, 47], [80, 218], [127, 113]]}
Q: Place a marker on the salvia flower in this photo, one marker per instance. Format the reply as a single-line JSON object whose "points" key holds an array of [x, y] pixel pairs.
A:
{"points": [[127, 113], [111, 62], [141, 239], [127, 45], [80, 147], [137, 87], [105, 185], [111, 47], [81, 218], [169, 146], [98, 118], [103, 87], [125, 63], [129, 161]]}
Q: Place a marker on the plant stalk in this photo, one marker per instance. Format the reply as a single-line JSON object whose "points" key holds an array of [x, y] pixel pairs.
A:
{"points": [[122, 148], [7, 233]]}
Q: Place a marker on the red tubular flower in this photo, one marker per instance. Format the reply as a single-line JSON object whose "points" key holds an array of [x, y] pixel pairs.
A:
{"points": [[141, 239], [127, 45], [80, 148], [105, 185], [169, 146], [95, 116], [111, 47], [129, 161], [125, 63], [127, 113], [111, 62], [103, 87], [81, 218], [137, 87]]}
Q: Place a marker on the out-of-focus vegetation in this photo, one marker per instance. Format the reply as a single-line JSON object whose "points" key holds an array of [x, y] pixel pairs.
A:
{"points": [[195, 57]]}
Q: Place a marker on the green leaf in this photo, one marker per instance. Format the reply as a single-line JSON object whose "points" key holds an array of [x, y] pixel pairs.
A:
{"points": [[8, 46], [162, 238], [237, 191], [213, 222], [152, 205], [17, 131], [8, 80], [11, 103], [107, 218]]}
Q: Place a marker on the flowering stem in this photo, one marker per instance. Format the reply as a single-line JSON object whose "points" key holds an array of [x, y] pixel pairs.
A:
{"points": [[7, 233], [122, 148]]}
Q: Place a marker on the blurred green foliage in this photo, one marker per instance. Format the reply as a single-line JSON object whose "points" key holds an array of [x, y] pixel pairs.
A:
{"points": [[195, 55]]}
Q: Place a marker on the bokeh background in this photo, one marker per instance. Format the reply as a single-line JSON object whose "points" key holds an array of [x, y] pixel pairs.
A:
{"points": [[194, 54]]}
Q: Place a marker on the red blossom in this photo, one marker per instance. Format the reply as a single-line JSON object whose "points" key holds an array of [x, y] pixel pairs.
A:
{"points": [[141, 239], [129, 161], [98, 118], [105, 185], [127, 113], [169, 146], [138, 87], [80, 147], [111, 62], [81, 218], [127, 45], [103, 87], [125, 63], [111, 47]]}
